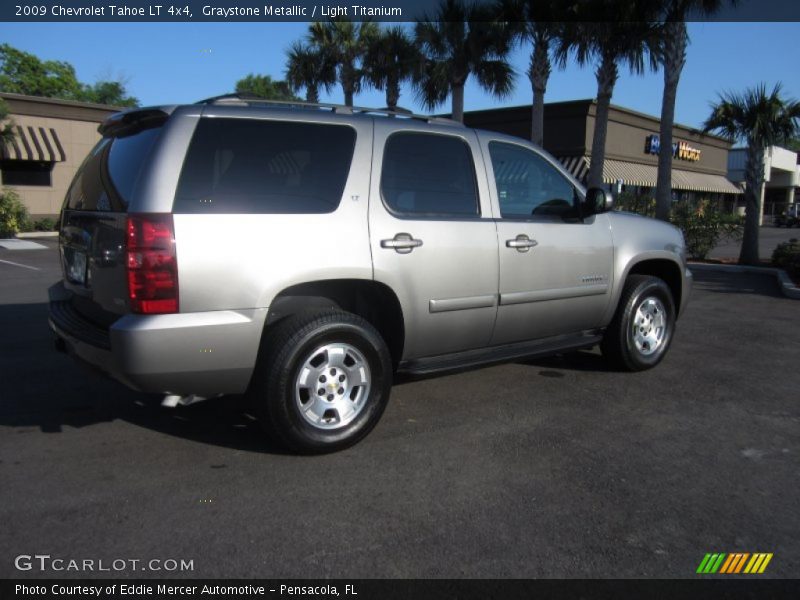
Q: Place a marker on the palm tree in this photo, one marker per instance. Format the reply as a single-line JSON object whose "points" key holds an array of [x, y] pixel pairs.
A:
{"points": [[458, 41], [609, 34], [674, 40], [391, 59], [760, 120], [537, 23], [344, 44], [308, 68]]}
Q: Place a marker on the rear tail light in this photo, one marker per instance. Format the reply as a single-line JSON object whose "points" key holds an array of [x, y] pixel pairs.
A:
{"points": [[152, 264]]}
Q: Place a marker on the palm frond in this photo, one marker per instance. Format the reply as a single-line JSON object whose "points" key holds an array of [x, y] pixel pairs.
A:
{"points": [[755, 116]]}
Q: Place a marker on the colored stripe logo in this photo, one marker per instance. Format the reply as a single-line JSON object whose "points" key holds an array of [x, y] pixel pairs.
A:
{"points": [[734, 563]]}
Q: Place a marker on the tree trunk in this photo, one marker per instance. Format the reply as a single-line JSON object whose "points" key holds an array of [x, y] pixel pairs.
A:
{"points": [[754, 179], [347, 77], [392, 93], [606, 78], [675, 42], [539, 73], [458, 101], [312, 94]]}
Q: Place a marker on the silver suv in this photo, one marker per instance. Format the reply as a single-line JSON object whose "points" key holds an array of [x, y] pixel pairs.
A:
{"points": [[304, 254]]}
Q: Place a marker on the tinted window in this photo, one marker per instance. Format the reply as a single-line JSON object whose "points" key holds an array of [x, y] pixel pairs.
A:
{"points": [[529, 186], [108, 177], [126, 159], [251, 166], [429, 174]]}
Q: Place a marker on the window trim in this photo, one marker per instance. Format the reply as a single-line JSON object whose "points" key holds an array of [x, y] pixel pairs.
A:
{"points": [[420, 216], [578, 192]]}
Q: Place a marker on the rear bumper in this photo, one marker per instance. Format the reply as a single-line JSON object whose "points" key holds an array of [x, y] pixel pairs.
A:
{"points": [[205, 353]]}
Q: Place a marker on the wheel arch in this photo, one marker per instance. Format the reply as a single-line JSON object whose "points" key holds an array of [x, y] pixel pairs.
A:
{"points": [[665, 269], [373, 301]]}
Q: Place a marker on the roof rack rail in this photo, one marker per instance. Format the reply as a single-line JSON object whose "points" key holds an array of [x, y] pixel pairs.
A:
{"points": [[252, 99]]}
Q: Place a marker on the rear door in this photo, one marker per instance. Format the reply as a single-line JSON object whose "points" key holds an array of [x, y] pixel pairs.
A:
{"points": [[555, 268], [432, 237], [93, 218]]}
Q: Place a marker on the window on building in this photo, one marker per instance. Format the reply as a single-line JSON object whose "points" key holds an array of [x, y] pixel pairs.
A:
{"points": [[529, 186], [429, 174], [27, 172]]}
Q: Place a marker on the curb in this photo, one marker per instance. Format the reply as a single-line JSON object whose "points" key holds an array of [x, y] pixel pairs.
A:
{"points": [[37, 234], [789, 289]]}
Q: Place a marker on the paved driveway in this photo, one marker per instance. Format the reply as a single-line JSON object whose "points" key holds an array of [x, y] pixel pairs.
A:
{"points": [[553, 467], [769, 237]]}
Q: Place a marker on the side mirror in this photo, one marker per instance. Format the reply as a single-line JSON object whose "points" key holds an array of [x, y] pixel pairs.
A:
{"points": [[597, 201]]}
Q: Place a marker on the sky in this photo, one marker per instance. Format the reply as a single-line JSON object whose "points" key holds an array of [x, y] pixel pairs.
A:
{"points": [[168, 63]]}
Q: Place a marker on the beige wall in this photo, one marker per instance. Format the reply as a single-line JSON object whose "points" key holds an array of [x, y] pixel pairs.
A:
{"points": [[627, 133], [75, 124], [569, 129], [77, 138]]}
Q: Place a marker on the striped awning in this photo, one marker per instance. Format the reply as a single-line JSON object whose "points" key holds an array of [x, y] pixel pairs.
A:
{"points": [[703, 182], [646, 175], [33, 143], [578, 166]]}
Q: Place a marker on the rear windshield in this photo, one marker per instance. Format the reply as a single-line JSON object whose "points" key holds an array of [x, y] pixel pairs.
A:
{"points": [[257, 166], [107, 179]]}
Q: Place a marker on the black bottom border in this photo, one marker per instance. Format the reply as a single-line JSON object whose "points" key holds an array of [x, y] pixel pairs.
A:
{"points": [[405, 589]]}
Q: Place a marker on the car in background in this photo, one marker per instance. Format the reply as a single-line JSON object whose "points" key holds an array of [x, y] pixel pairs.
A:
{"points": [[789, 217]]}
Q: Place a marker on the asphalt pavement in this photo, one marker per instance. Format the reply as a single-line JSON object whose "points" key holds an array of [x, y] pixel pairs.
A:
{"points": [[546, 468], [769, 237]]}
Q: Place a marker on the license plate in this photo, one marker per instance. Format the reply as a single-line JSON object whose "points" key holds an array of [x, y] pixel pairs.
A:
{"points": [[76, 265]]}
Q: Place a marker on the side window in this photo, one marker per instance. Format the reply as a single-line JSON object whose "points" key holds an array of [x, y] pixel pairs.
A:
{"points": [[429, 174], [529, 186], [260, 166]]}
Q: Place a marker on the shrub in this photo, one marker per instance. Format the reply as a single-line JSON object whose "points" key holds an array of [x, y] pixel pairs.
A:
{"points": [[703, 226], [641, 204], [787, 256], [14, 216], [46, 224]]}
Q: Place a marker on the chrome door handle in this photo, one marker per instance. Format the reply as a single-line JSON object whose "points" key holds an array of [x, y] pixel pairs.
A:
{"points": [[522, 243], [402, 243]]}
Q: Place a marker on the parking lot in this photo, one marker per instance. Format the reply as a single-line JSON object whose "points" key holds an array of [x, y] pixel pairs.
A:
{"points": [[769, 237], [546, 468]]}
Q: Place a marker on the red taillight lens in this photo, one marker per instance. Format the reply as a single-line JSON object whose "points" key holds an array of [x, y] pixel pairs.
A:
{"points": [[152, 264]]}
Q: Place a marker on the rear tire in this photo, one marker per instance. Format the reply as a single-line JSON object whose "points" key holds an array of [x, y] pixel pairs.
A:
{"points": [[641, 331], [323, 381]]}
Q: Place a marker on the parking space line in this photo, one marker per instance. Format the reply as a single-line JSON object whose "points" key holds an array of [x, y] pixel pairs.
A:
{"points": [[8, 262]]}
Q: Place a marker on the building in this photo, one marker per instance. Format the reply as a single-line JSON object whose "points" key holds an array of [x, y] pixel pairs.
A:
{"points": [[700, 165], [781, 177], [52, 137]]}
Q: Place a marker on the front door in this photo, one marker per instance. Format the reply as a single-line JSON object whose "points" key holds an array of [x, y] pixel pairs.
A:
{"points": [[555, 268]]}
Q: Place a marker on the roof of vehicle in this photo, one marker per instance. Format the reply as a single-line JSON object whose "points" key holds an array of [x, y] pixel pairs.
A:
{"points": [[247, 100], [237, 99]]}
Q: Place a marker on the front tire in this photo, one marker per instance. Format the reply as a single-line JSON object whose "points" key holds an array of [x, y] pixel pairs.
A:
{"points": [[323, 383], [640, 333]]}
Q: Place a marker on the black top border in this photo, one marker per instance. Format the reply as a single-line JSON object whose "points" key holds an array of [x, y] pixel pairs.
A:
{"points": [[204, 11]]}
